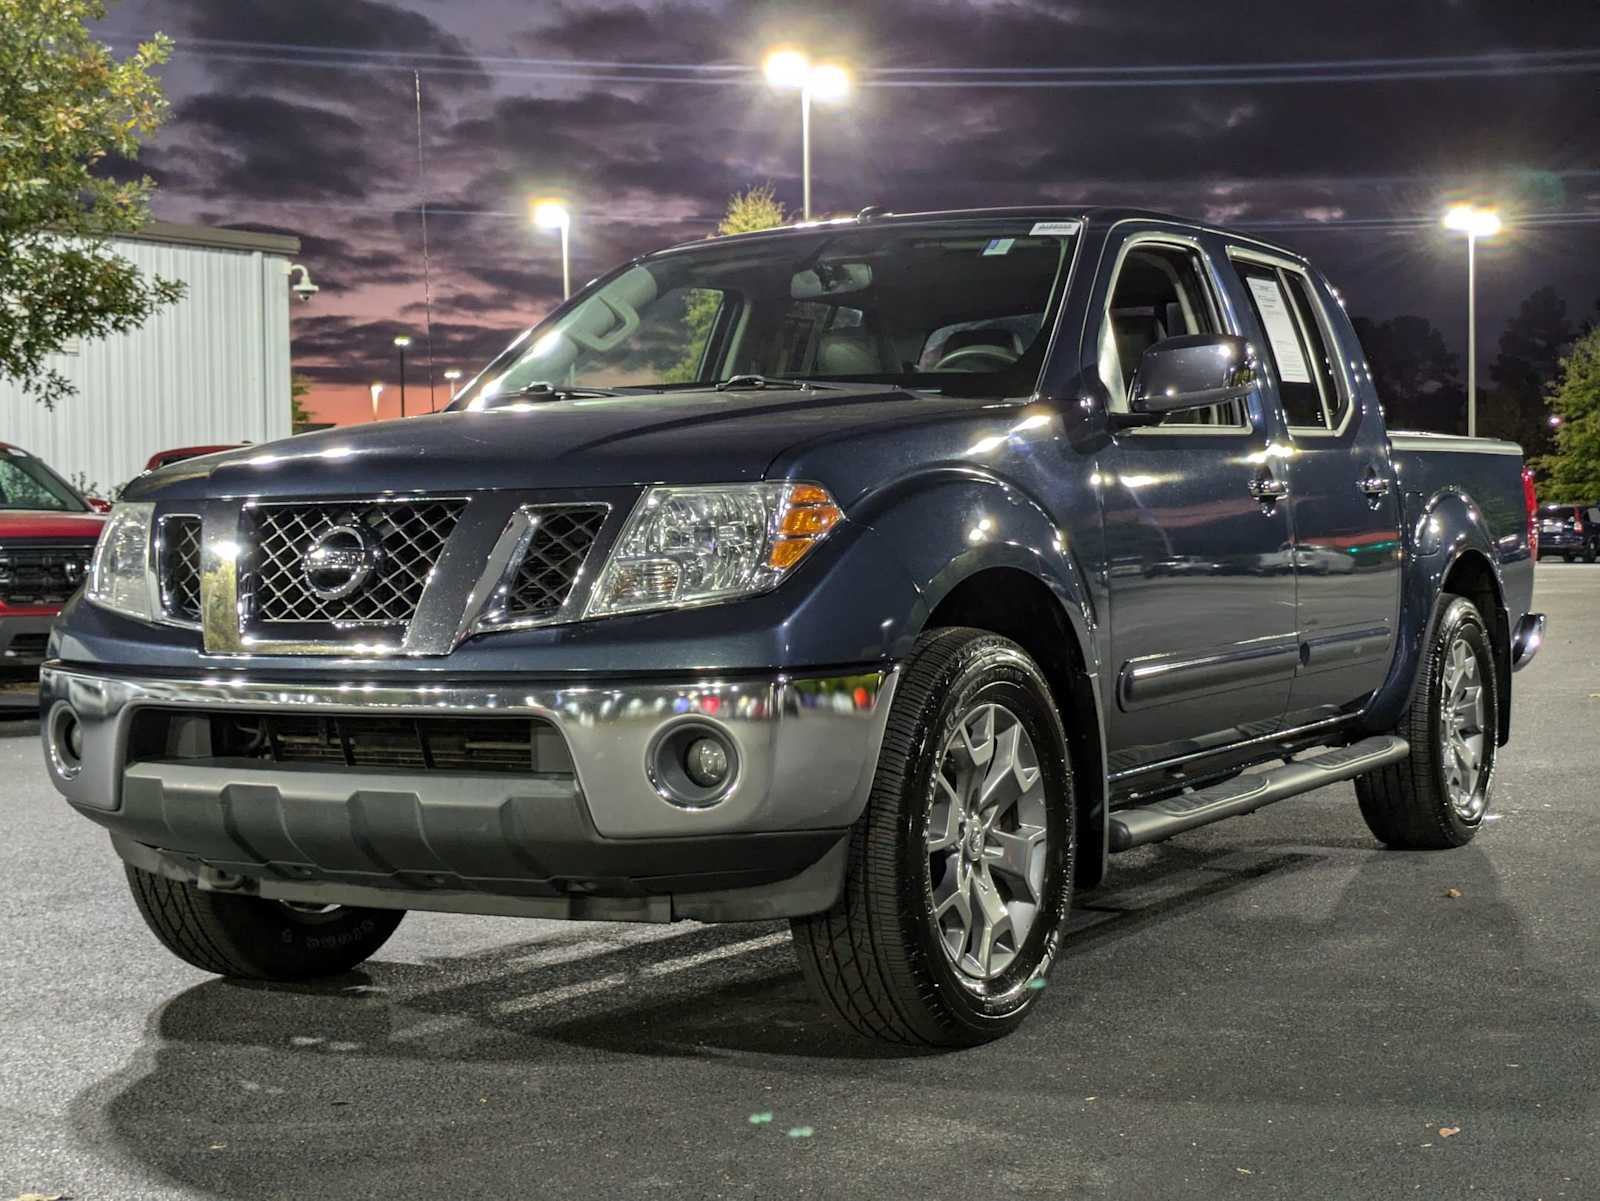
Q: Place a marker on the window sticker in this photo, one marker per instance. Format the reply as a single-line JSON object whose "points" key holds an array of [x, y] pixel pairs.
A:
{"points": [[1281, 333], [1059, 229], [998, 246]]}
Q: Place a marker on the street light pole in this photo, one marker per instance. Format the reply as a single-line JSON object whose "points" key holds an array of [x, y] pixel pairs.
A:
{"points": [[401, 341], [453, 377], [1475, 223], [825, 81], [552, 214]]}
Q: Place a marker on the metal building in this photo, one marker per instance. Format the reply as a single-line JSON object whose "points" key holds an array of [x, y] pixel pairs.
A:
{"points": [[209, 370]]}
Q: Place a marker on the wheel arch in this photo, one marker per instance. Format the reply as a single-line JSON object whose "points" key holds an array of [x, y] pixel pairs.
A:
{"points": [[1009, 601]]}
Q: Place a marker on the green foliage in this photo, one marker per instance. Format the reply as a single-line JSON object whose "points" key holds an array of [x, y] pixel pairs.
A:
{"points": [[299, 415], [66, 104], [1573, 471], [756, 208]]}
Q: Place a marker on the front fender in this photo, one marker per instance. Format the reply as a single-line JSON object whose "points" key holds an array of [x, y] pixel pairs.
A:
{"points": [[949, 524], [1449, 526]]}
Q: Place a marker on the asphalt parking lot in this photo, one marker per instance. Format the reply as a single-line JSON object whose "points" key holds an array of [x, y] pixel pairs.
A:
{"points": [[1272, 1007]]}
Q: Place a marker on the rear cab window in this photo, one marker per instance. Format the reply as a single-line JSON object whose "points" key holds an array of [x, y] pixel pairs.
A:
{"points": [[1298, 343]]}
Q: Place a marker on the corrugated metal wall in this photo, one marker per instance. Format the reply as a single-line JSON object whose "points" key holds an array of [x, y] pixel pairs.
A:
{"points": [[213, 368]]}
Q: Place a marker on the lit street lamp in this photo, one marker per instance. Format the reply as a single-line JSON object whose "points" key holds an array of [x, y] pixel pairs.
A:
{"points": [[552, 214], [451, 375], [401, 341], [1475, 223], [816, 81], [377, 391]]}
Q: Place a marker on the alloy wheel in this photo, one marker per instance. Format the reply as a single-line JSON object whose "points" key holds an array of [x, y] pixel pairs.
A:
{"points": [[1461, 728], [986, 841]]}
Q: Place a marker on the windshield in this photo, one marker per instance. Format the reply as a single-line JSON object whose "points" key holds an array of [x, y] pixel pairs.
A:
{"points": [[960, 306], [26, 483]]}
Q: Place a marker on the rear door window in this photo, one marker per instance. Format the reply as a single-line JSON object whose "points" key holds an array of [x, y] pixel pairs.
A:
{"points": [[1288, 312]]}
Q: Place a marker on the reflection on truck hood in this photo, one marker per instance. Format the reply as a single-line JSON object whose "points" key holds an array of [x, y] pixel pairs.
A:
{"points": [[675, 437]]}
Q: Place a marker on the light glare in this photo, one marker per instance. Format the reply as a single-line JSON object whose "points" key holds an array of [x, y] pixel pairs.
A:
{"points": [[787, 69]]}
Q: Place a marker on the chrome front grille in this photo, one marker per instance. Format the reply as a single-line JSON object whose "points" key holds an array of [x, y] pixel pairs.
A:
{"points": [[273, 586], [178, 566], [560, 542]]}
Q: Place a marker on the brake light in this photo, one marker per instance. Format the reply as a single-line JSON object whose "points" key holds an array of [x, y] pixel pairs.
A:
{"points": [[1531, 499]]}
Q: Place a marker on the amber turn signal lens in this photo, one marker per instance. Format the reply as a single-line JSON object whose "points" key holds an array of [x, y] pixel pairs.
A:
{"points": [[786, 552], [808, 513]]}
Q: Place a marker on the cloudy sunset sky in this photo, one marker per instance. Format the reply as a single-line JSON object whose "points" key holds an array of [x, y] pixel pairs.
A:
{"points": [[1340, 129]]}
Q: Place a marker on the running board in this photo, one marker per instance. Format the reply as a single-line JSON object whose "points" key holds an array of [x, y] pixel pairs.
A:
{"points": [[1138, 825]]}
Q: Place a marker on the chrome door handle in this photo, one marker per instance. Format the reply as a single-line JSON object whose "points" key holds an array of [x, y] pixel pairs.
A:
{"points": [[1267, 489], [1374, 485]]}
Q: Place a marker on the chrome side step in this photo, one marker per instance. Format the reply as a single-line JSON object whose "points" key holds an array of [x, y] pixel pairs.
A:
{"points": [[1141, 824]]}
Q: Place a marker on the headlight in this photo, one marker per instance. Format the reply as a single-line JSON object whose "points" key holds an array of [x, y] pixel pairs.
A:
{"points": [[693, 546], [119, 574]]}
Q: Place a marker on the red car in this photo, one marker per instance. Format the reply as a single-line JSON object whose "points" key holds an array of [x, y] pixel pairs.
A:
{"points": [[163, 458], [47, 536]]}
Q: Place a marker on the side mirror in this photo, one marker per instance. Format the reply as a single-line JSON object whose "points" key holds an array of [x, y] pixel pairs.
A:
{"points": [[98, 505], [1190, 372]]}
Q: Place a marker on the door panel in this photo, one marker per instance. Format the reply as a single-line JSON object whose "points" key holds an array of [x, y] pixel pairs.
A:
{"points": [[1200, 571], [1343, 505]]}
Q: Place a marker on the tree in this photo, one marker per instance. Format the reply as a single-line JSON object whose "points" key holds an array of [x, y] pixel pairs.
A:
{"points": [[1416, 376], [1573, 471], [299, 415], [756, 208], [1524, 372], [66, 107]]}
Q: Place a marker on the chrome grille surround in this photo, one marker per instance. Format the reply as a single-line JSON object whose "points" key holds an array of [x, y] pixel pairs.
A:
{"points": [[542, 557], [274, 591], [177, 561]]}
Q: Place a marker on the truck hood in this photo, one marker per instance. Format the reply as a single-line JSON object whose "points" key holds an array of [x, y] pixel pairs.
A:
{"points": [[46, 523], [676, 437]]}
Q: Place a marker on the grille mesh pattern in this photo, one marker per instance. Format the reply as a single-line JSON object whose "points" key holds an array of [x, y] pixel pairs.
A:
{"points": [[180, 567], [560, 543], [412, 534]]}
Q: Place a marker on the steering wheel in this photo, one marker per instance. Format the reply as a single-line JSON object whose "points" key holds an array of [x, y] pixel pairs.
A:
{"points": [[999, 358]]}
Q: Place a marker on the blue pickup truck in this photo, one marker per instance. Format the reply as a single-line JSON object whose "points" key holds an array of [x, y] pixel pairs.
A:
{"points": [[887, 575]]}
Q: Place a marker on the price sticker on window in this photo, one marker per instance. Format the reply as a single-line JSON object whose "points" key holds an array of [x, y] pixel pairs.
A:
{"points": [[1281, 333]]}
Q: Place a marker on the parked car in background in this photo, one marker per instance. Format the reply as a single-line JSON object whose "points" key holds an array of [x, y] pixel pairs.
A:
{"points": [[1569, 530], [178, 454], [47, 534]]}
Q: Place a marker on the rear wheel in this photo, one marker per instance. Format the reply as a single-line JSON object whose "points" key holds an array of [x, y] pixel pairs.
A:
{"points": [[1437, 797], [255, 938], [1591, 552], [960, 869]]}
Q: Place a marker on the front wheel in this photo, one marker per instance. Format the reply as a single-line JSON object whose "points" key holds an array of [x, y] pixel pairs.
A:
{"points": [[1437, 797], [255, 938], [1591, 552], [960, 869]]}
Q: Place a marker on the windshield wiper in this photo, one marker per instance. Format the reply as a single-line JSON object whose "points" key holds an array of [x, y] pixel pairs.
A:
{"points": [[544, 390], [756, 383]]}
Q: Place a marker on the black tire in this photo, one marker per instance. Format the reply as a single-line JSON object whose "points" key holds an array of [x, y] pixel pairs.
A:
{"points": [[254, 938], [1566, 556], [1408, 804], [878, 960], [1591, 552]]}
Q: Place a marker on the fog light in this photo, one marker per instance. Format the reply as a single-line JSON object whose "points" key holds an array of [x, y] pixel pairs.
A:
{"points": [[693, 764], [706, 762], [64, 741]]}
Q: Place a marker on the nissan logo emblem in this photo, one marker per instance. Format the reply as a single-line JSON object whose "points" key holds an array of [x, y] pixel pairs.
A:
{"points": [[340, 561]]}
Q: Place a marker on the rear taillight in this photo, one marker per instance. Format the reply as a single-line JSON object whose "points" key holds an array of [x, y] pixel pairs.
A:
{"points": [[1531, 499]]}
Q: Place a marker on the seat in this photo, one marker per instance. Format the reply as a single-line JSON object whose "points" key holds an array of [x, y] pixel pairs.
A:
{"points": [[1136, 331], [848, 352]]}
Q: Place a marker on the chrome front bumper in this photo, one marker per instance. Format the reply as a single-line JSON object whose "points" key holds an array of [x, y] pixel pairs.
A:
{"points": [[806, 745]]}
